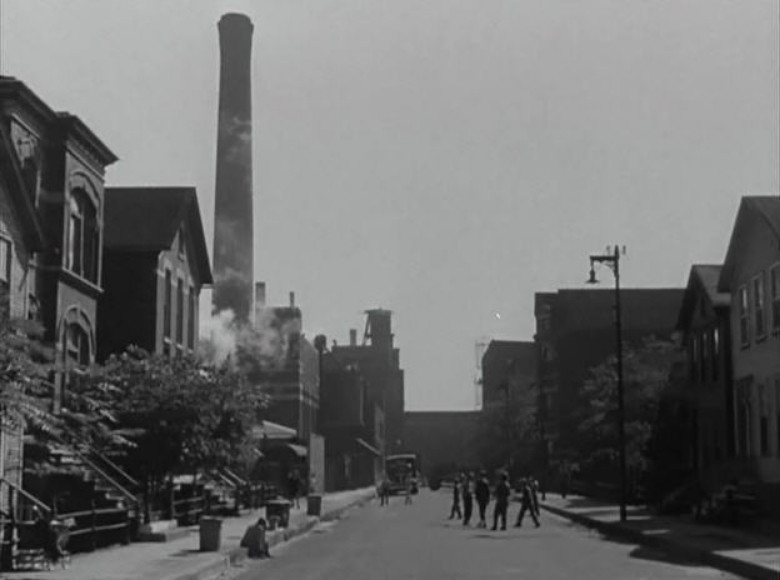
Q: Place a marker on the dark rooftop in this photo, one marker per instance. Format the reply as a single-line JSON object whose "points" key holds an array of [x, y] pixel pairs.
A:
{"points": [[147, 219]]}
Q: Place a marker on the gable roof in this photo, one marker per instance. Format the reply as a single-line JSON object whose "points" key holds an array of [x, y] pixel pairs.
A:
{"points": [[11, 173], [703, 277], [767, 209], [147, 219]]}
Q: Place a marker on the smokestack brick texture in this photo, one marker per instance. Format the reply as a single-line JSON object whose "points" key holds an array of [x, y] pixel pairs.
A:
{"points": [[233, 215]]}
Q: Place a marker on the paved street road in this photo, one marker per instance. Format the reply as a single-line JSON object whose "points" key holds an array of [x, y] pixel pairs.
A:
{"points": [[411, 542]]}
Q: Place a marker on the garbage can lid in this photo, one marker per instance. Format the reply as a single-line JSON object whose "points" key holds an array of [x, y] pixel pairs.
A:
{"points": [[278, 502]]}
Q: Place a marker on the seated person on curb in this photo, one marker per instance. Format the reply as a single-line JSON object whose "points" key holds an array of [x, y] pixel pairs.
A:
{"points": [[254, 540]]}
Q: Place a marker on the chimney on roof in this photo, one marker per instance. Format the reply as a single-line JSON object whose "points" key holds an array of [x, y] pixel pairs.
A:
{"points": [[292, 299], [352, 337], [259, 301]]}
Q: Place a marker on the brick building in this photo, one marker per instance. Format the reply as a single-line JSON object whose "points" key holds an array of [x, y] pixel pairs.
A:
{"points": [[509, 398], [21, 236], [379, 362], [155, 265], [62, 163], [507, 363], [352, 425], [289, 365]]}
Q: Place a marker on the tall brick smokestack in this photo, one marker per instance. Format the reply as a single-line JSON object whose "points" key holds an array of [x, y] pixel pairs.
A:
{"points": [[233, 255]]}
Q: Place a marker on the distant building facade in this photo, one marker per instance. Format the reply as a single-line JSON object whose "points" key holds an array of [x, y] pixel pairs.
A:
{"points": [[155, 265], [354, 444], [290, 373], [446, 441], [507, 364], [378, 361]]}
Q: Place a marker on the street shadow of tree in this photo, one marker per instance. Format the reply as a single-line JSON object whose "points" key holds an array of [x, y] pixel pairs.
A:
{"points": [[657, 555], [186, 552]]}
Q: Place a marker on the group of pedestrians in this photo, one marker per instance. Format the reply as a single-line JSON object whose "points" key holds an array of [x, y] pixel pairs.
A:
{"points": [[471, 487]]}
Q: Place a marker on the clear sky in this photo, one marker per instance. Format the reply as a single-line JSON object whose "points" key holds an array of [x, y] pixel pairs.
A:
{"points": [[444, 159]]}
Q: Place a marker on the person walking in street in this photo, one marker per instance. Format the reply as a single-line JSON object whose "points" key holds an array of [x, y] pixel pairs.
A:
{"points": [[455, 511], [528, 503], [408, 483], [482, 495], [384, 491], [502, 501], [468, 497]]}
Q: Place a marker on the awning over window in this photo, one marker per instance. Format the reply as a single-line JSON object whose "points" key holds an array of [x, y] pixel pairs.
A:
{"points": [[371, 448], [299, 450], [273, 431]]}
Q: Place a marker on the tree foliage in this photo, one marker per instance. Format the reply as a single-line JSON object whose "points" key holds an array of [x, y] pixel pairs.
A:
{"points": [[181, 415], [646, 378], [25, 367]]}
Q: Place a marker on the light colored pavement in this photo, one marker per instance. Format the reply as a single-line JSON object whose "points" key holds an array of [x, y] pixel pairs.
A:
{"points": [[181, 559], [733, 549], [417, 542]]}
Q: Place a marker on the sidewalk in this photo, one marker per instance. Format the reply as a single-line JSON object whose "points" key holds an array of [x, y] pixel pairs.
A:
{"points": [[732, 550], [181, 559]]}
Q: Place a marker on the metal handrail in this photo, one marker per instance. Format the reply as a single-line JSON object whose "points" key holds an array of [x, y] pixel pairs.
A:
{"points": [[26, 494], [80, 441], [107, 477], [113, 465]]}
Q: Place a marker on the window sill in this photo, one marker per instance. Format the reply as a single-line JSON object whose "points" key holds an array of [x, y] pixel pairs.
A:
{"points": [[86, 286]]}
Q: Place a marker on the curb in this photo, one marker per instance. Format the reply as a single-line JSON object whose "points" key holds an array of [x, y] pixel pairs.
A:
{"points": [[236, 556], [715, 560]]}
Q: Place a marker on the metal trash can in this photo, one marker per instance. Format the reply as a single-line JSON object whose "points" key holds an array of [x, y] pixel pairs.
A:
{"points": [[314, 505], [279, 508], [210, 534]]}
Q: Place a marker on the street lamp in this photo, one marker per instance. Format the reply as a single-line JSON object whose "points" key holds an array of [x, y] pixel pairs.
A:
{"points": [[612, 260]]}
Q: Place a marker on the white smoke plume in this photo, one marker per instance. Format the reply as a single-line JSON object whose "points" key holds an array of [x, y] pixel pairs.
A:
{"points": [[267, 344], [218, 337]]}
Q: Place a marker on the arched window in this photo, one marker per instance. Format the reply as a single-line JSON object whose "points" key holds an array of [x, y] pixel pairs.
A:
{"points": [[76, 345], [83, 236], [33, 308]]}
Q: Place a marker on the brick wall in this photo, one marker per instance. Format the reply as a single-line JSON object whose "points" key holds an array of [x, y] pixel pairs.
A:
{"points": [[19, 282]]}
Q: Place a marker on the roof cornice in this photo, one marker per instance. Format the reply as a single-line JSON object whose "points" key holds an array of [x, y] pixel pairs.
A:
{"points": [[14, 89], [72, 125]]}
